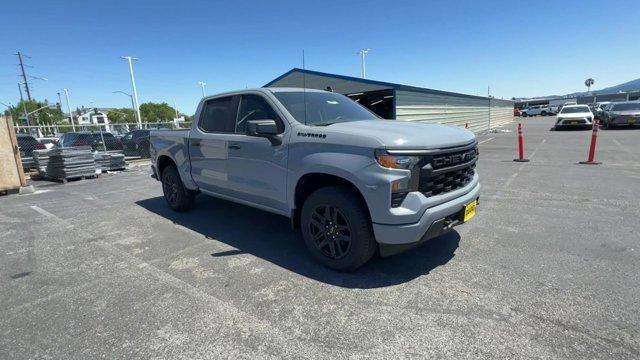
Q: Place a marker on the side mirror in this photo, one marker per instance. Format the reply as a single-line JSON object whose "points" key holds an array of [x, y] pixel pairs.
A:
{"points": [[264, 128]]}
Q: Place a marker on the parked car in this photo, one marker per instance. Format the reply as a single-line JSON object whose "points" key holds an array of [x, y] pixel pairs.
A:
{"points": [[599, 110], [353, 184], [625, 113], [48, 142], [136, 143], [94, 140], [28, 143], [542, 110], [574, 116], [554, 109]]}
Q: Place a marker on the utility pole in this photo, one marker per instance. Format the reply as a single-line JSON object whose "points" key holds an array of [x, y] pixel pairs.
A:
{"points": [[66, 94], [24, 75], [133, 85], [362, 54], [202, 84], [24, 106]]}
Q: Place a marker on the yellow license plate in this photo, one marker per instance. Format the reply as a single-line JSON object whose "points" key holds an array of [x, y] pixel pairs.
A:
{"points": [[470, 211]]}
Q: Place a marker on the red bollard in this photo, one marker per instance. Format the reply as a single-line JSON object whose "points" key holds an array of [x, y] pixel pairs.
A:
{"points": [[592, 146], [520, 146]]}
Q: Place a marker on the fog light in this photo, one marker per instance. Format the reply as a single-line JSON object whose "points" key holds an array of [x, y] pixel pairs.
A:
{"points": [[400, 185]]}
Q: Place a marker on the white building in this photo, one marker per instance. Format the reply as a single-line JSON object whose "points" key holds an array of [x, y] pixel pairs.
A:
{"points": [[93, 117]]}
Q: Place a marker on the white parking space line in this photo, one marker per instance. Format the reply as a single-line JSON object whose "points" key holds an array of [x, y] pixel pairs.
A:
{"points": [[44, 212], [484, 141], [616, 141]]}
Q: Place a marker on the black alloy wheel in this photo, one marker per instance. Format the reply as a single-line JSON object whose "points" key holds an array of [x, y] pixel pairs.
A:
{"points": [[177, 196], [170, 189], [330, 231]]}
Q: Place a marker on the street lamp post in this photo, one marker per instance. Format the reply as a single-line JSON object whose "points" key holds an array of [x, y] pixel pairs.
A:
{"points": [[133, 105], [66, 94], [202, 84], [362, 54], [133, 85]]}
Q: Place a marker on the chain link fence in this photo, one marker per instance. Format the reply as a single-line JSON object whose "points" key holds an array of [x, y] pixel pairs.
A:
{"points": [[131, 140]]}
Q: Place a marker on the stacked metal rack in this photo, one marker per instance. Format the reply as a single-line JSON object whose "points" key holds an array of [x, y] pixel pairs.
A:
{"points": [[109, 161], [70, 163], [41, 160]]}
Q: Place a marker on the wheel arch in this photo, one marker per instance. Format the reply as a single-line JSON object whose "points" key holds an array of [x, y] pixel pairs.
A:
{"points": [[312, 181]]}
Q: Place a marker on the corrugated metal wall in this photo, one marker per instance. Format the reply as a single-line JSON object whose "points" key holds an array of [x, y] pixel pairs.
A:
{"points": [[478, 112], [313, 81], [501, 112], [412, 103]]}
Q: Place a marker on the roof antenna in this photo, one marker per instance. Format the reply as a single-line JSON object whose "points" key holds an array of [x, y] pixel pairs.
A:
{"points": [[304, 89]]}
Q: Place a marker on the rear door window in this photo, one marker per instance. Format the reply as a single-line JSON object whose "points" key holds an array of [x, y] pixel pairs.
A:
{"points": [[218, 116]]}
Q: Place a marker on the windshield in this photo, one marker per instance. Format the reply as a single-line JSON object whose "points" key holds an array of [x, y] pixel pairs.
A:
{"points": [[574, 109], [626, 106], [322, 108]]}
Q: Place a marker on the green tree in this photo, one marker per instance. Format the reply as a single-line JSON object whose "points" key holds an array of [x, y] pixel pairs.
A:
{"points": [[46, 116], [154, 112], [121, 116]]}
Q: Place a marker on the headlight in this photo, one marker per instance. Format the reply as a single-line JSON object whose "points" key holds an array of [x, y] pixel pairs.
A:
{"points": [[396, 161]]}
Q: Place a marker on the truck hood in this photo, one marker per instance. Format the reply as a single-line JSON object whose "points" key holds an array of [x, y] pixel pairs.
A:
{"points": [[405, 134]]}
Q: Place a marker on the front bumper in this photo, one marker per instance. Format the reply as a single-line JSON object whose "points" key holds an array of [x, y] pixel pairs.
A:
{"points": [[433, 222], [625, 121], [578, 122]]}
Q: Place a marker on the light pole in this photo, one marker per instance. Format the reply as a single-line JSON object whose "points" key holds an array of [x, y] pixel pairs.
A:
{"points": [[202, 84], [362, 54], [66, 94], [133, 85], [133, 105]]}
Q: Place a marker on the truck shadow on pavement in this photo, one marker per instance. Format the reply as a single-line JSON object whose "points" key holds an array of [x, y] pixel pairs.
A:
{"points": [[270, 237]]}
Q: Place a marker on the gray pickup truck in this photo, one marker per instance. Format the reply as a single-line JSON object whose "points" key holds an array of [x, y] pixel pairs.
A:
{"points": [[354, 184]]}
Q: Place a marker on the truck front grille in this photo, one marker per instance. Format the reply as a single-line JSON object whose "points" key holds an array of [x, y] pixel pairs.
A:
{"points": [[445, 182], [445, 172]]}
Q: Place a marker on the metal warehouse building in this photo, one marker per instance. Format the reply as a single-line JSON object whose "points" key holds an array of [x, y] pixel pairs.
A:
{"points": [[403, 102]]}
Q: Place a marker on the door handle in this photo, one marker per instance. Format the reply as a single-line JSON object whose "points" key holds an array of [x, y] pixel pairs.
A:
{"points": [[195, 142], [234, 146]]}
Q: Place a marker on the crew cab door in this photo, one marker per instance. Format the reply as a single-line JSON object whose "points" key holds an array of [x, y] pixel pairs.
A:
{"points": [[208, 143], [257, 170]]}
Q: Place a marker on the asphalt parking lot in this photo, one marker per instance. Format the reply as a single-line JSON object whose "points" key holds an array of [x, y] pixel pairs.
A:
{"points": [[549, 268]]}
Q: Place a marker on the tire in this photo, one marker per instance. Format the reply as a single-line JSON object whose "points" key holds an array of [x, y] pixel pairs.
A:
{"points": [[544, 113], [524, 115], [178, 197], [330, 216]]}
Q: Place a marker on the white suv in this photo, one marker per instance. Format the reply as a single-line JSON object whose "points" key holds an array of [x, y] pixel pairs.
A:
{"points": [[574, 116], [542, 110]]}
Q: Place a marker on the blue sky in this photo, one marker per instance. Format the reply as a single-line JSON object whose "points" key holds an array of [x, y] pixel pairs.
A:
{"points": [[518, 48]]}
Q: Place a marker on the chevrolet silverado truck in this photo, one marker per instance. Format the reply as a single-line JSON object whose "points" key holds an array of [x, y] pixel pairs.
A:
{"points": [[352, 183]]}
